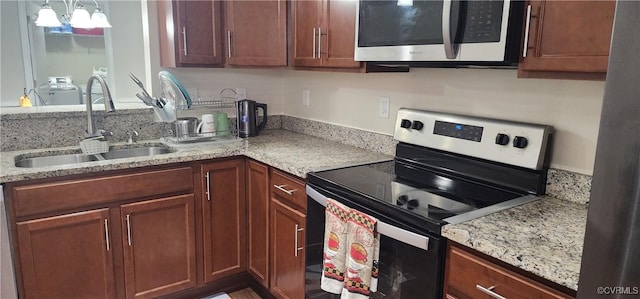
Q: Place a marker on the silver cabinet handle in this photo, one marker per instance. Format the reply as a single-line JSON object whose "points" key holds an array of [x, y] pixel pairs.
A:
{"points": [[489, 291], [106, 233], [208, 186], [526, 32], [314, 43], [184, 40], [129, 230], [281, 188], [449, 48], [229, 42], [319, 42], [298, 230]]}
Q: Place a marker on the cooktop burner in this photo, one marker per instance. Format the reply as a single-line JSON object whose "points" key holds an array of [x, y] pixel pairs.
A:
{"points": [[434, 199]]}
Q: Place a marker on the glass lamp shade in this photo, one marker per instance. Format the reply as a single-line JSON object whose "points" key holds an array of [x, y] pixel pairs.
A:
{"points": [[80, 18], [99, 19], [47, 17]]}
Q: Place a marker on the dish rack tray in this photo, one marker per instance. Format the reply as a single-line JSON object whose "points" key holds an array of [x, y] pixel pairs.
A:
{"points": [[169, 128]]}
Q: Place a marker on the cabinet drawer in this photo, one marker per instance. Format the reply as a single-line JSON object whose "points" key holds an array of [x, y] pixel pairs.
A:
{"points": [[62, 195], [467, 273], [288, 188]]}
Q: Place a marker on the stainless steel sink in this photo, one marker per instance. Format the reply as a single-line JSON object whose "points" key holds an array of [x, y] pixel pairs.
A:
{"points": [[135, 152], [81, 158], [55, 160]]}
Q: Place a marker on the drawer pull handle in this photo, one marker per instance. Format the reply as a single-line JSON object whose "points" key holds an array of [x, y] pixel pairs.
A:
{"points": [[281, 188], [489, 291]]}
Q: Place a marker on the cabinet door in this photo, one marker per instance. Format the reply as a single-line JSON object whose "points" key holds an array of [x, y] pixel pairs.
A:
{"points": [[256, 33], [287, 251], [67, 256], [338, 44], [469, 276], [196, 36], [569, 36], [306, 17], [159, 246], [223, 219], [258, 221]]}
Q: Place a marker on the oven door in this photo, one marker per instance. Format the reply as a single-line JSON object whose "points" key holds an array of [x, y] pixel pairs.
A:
{"points": [[411, 263], [436, 30]]}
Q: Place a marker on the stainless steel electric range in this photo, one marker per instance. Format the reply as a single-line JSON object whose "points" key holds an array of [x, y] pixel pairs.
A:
{"points": [[447, 169]]}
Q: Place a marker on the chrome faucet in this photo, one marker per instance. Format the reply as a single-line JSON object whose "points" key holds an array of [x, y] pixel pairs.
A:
{"points": [[108, 105]]}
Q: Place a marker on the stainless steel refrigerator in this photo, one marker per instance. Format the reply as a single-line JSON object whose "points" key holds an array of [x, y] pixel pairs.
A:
{"points": [[611, 256]]}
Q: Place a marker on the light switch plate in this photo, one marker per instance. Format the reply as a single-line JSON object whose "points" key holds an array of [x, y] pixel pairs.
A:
{"points": [[305, 97], [384, 107]]}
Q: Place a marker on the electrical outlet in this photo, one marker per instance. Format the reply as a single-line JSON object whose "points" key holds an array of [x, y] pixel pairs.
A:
{"points": [[305, 97], [384, 107], [241, 93]]}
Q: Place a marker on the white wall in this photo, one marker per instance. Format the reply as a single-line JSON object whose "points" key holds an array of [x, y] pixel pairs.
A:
{"points": [[572, 107]]}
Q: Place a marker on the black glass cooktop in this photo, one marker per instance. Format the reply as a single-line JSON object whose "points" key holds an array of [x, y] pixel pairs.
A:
{"points": [[427, 196]]}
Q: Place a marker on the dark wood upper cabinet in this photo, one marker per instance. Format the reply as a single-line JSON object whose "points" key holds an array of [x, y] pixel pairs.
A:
{"points": [[67, 256], [339, 42], [258, 221], [256, 33], [568, 36], [223, 202], [159, 246], [190, 33], [323, 33]]}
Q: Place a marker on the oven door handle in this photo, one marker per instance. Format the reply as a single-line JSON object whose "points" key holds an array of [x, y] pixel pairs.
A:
{"points": [[388, 230]]}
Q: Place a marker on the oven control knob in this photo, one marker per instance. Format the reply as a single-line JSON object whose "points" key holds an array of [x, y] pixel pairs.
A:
{"points": [[405, 123], [520, 142], [502, 139], [417, 125], [412, 204], [402, 199]]}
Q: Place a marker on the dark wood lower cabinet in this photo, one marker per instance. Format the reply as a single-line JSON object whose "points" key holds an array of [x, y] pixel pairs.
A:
{"points": [[224, 230], [258, 221], [470, 276], [177, 231], [67, 256], [287, 251], [159, 251]]}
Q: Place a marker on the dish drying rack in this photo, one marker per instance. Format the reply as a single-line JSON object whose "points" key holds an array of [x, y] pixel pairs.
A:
{"points": [[225, 104]]}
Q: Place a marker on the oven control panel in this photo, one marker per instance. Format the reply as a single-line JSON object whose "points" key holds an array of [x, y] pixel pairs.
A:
{"points": [[515, 143]]}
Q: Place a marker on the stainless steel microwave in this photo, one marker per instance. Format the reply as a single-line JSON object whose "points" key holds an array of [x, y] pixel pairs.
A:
{"points": [[482, 32]]}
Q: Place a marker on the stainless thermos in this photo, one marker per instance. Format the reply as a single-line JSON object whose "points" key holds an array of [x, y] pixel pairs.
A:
{"points": [[248, 118]]}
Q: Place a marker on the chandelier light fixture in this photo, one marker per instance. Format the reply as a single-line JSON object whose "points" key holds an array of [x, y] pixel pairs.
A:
{"points": [[77, 15]]}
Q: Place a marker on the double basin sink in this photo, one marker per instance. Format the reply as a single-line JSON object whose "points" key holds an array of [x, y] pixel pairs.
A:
{"points": [[62, 159]]}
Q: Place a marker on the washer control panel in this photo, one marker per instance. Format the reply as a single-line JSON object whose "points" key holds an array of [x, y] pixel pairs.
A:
{"points": [[515, 143]]}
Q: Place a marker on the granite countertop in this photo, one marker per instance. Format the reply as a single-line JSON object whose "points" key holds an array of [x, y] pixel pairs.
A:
{"points": [[289, 151], [544, 237]]}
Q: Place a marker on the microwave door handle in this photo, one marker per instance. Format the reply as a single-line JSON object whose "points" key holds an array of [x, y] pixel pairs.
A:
{"points": [[450, 49], [388, 230]]}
